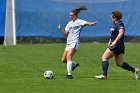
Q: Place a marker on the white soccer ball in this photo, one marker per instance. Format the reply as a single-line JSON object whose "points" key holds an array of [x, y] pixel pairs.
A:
{"points": [[48, 74]]}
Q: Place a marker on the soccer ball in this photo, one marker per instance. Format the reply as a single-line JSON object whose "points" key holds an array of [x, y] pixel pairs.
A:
{"points": [[48, 74]]}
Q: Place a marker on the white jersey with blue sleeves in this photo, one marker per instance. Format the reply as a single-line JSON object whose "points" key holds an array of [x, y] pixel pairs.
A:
{"points": [[74, 28]]}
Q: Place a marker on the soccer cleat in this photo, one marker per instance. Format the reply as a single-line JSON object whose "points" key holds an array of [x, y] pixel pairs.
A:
{"points": [[75, 66], [101, 77], [136, 73], [69, 77]]}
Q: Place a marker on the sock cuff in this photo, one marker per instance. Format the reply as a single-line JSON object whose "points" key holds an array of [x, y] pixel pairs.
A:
{"points": [[69, 62], [105, 61], [73, 62]]}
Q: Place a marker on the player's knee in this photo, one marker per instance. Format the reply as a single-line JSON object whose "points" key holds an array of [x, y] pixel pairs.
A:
{"points": [[63, 60], [104, 58], [119, 65]]}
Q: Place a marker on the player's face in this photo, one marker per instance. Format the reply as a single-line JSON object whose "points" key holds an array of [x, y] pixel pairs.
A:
{"points": [[113, 19], [73, 17]]}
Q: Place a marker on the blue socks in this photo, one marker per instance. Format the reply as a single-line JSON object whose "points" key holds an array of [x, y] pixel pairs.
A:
{"points": [[105, 67], [128, 67]]}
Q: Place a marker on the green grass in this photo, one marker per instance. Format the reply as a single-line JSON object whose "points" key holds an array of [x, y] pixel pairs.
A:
{"points": [[22, 68]]}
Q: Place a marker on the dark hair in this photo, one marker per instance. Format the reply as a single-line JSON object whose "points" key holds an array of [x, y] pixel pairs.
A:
{"points": [[116, 14], [78, 10]]}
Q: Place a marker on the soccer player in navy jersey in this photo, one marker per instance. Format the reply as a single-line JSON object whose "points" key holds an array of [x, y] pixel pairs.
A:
{"points": [[116, 47]]}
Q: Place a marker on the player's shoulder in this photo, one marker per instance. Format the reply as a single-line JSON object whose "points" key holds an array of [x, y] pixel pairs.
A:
{"points": [[120, 24], [79, 20]]}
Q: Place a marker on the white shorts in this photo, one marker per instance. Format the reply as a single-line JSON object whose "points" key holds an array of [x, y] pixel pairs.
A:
{"points": [[72, 45]]}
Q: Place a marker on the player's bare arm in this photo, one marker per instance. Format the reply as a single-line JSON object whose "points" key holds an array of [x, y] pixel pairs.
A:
{"points": [[90, 23], [121, 32], [62, 30]]}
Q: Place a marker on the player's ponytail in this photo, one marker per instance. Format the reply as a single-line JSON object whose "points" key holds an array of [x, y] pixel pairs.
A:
{"points": [[78, 10]]}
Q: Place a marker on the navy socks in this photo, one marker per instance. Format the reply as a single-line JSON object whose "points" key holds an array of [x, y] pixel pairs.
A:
{"points": [[124, 66], [105, 67], [128, 67]]}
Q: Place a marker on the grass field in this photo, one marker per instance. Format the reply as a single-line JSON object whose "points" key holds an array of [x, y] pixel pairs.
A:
{"points": [[22, 68]]}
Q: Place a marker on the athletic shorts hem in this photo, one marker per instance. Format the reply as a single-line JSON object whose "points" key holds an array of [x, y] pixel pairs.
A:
{"points": [[72, 45]]}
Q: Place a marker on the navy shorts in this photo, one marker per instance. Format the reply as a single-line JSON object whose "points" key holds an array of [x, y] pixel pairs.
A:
{"points": [[118, 48]]}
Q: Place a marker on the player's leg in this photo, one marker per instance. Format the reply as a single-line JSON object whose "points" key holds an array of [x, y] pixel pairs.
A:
{"points": [[107, 55], [64, 60], [64, 57], [125, 65], [119, 60], [70, 54], [74, 46]]}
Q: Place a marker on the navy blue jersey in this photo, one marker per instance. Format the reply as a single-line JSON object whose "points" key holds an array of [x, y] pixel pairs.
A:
{"points": [[115, 31], [119, 47]]}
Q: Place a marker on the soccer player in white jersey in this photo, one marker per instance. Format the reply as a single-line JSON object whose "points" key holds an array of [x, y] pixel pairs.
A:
{"points": [[72, 32]]}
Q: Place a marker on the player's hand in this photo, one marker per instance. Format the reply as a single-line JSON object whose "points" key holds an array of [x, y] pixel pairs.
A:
{"points": [[113, 43], [93, 23], [109, 44], [60, 26]]}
